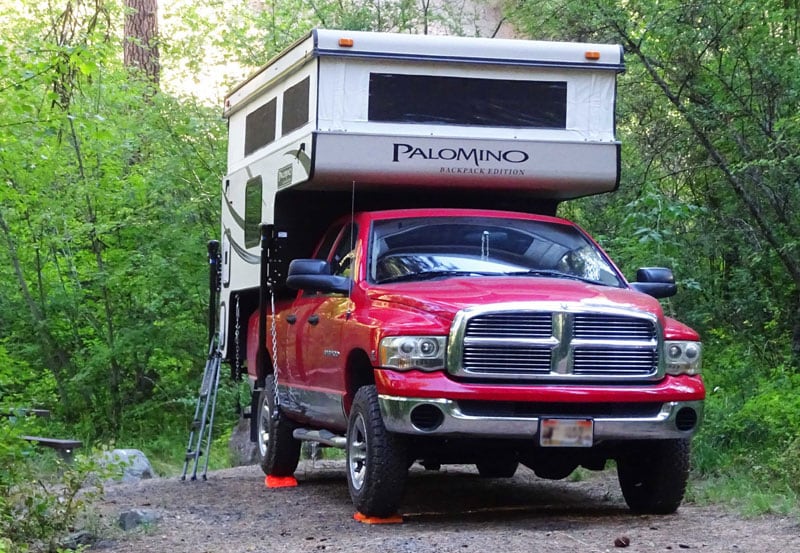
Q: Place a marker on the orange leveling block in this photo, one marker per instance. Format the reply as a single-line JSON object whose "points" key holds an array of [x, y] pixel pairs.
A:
{"points": [[364, 519], [280, 481]]}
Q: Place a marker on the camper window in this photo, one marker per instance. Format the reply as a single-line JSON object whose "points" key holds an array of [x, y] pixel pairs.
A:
{"points": [[295, 107], [252, 212], [260, 128], [395, 98]]}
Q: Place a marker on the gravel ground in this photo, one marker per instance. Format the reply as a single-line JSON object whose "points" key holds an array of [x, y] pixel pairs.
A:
{"points": [[447, 511]]}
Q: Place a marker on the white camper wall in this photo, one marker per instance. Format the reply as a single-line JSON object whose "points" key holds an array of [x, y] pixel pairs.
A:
{"points": [[344, 100]]}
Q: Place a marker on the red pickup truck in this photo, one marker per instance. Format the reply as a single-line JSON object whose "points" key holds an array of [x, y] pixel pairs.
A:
{"points": [[446, 315], [476, 336]]}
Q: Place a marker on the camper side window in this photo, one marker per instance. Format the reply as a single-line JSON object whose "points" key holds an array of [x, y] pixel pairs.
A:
{"points": [[252, 212], [398, 98], [259, 127], [295, 107]]}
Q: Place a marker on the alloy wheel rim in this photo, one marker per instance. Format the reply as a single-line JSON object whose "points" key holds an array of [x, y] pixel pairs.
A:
{"points": [[357, 452], [263, 427]]}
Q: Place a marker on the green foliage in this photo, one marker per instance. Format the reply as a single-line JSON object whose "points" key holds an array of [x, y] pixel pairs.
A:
{"points": [[224, 42], [109, 195], [707, 115], [41, 497]]}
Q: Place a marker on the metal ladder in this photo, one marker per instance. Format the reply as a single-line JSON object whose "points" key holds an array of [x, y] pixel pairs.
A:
{"points": [[203, 421]]}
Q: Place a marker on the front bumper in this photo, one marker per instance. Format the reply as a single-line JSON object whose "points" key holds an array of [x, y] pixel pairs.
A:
{"points": [[446, 418]]}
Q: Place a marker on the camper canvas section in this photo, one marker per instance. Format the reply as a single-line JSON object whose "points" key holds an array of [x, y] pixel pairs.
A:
{"points": [[276, 126]]}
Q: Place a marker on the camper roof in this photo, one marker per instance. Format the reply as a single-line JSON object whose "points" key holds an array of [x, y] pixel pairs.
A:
{"points": [[393, 46]]}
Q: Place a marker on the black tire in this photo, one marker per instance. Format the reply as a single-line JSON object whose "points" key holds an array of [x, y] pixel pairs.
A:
{"points": [[377, 465], [278, 451], [653, 475], [504, 467]]}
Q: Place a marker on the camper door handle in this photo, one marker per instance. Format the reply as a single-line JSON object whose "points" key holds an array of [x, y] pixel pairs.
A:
{"points": [[313, 320], [291, 319]]}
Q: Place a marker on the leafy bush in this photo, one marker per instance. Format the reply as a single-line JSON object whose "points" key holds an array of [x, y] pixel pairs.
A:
{"points": [[41, 496]]}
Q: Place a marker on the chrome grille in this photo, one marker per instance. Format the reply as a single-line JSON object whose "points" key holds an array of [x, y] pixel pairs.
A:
{"points": [[607, 327], [600, 362], [507, 360], [511, 325], [519, 344]]}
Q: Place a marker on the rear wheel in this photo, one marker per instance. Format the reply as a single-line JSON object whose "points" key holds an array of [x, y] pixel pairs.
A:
{"points": [[653, 475], [377, 466], [278, 451]]}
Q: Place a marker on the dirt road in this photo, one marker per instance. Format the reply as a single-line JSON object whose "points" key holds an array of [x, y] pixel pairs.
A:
{"points": [[449, 511]]}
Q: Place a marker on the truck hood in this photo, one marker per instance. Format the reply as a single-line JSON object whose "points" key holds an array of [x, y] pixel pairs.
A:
{"points": [[446, 297]]}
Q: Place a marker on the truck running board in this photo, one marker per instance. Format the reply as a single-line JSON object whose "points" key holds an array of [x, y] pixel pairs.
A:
{"points": [[323, 437]]}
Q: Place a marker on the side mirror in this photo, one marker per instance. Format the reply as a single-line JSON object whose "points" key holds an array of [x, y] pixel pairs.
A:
{"points": [[315, 275], [658, 282]]}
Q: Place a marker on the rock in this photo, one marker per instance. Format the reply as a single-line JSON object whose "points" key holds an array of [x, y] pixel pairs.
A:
{"points": [[132, 464], [241, 450], [128, 520], [81, 538]]}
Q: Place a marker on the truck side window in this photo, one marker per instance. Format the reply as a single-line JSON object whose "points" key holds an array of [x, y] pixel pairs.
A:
{"points": [[324, 250], [342, 258]]}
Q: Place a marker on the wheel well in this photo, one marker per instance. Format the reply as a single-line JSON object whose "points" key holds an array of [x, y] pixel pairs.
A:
{"points": [[359, 373]]}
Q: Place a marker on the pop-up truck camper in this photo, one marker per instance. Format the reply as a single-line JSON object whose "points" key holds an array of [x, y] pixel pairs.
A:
{"points": [[394, 282]]}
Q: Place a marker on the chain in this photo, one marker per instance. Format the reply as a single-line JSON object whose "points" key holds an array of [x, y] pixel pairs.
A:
{"points": [[238, 359], [274, 332]]}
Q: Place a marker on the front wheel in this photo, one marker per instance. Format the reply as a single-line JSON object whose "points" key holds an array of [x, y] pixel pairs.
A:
{"points": [[653, 475], [278, 451], [377, 465]]}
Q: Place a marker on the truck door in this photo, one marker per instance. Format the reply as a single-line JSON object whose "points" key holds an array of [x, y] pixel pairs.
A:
{"points": [[319, 361]]}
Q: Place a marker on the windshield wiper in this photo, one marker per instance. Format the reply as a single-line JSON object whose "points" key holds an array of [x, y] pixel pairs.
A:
{"points": [[428, 275], [553, 274]]}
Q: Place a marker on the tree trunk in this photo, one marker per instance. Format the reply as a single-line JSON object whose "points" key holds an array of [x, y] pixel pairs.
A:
{"points": [[141, 37]]}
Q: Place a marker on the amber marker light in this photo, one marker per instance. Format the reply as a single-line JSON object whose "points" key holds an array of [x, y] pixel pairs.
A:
{"points": [[590, 54], [346, 42]]}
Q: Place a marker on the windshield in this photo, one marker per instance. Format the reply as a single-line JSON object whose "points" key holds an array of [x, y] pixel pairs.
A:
{"points": [[440, 247]]}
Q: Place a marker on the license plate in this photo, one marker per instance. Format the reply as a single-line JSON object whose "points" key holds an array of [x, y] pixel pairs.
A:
{"points": [[566, 433]]}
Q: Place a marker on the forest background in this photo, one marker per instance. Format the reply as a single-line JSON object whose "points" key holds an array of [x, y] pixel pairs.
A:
{"points": [[112, 150]]}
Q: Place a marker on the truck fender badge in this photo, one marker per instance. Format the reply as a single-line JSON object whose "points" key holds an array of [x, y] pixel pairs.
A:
{"points": [[330, 353]]}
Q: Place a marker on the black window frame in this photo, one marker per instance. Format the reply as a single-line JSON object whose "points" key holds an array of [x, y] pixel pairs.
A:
{"points": [[253, 198], [472, 101], [260, 127], [296, 102]]}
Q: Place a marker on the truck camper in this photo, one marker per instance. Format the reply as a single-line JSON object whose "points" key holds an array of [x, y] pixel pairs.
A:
{"points": [[394, 282]]}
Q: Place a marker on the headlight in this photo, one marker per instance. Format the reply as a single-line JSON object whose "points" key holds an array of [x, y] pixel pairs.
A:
{"points": [[683, 357], [426, 353]]}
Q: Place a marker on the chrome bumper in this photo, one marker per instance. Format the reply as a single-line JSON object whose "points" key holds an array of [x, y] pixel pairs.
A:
{"points": [[397, 416]]}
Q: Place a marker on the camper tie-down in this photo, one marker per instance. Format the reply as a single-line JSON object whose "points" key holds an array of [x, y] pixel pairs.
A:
{"points": [[394, 280]]}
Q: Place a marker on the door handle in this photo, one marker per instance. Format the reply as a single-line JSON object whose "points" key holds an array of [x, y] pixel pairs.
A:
{"points": [[291, 319], [313, 320]]}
